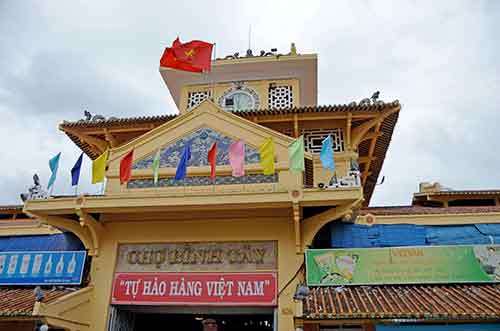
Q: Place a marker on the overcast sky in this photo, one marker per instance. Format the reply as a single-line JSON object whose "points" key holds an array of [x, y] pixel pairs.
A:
{"points": [[439, 58]]}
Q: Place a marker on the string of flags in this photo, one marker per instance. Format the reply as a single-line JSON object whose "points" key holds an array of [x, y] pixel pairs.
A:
{"points": [[196, 56], [236, 155]]}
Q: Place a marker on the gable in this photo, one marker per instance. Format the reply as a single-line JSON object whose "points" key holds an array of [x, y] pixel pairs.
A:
{"points": [[202, 126]]}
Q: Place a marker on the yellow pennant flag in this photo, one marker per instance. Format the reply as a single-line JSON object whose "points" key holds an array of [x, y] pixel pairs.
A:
{"points": [[99, 168], [266, 151]]}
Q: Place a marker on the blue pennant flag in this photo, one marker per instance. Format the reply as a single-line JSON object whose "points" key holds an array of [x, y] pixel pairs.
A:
{"points": [[326, 154], [75, 171], [183, 163], [53, 165]]}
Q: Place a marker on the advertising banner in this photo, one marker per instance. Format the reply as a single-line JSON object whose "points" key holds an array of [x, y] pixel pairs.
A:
{"points": [[197, 256], [403, 265], [203, 288], [42, 268]]}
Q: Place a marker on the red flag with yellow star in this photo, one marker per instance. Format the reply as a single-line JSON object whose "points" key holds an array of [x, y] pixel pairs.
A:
{"points": [[194, 56]]}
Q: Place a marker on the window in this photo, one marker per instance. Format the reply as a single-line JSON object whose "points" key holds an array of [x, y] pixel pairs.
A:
{"points": [[280, 97], [314, 137], [195, 98]]}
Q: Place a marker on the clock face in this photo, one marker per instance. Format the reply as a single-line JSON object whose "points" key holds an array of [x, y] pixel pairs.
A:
{"points": [[240, 99]]}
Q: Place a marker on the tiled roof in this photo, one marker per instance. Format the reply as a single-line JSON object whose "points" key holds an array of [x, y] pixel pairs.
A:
{"points": [[460, 192], [320, 109], [150, 122], [11, 208], [20, 301], [419, 210], [448, 301], [381, 147], [112, 121]]}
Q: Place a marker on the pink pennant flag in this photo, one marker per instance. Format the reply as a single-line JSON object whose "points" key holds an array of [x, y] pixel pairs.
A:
{"points": [[237, 158]]}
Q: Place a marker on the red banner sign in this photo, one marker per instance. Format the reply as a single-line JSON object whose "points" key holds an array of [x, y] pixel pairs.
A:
{"points": [[221, 289]]}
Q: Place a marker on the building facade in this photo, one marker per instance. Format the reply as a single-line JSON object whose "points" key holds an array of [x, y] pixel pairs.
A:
{"points": [[175, 253]]}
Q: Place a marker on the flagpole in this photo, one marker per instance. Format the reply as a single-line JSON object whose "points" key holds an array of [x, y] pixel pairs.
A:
{"points": [[211, 83]]}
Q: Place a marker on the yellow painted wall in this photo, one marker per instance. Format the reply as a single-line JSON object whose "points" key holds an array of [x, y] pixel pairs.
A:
{"points": [[280, 229], [261, 87]]}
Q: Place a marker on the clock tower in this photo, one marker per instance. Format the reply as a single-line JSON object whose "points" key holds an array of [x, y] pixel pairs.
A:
{"points": [[253, 82]]}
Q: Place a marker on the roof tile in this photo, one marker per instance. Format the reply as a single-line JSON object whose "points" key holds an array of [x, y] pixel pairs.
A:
{"points": [[449, 301], [20, 301], [419, 210]]}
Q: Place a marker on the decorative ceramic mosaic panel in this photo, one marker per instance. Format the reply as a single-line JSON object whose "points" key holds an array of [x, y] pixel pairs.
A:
{"points": [[201, 141], [204, 180], [314, 137], [280, 97]]}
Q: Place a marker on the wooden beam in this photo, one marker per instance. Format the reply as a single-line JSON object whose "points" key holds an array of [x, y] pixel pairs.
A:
{"points": [[295, 125], [348, 134], [365, 159], [110, 138], [311, 326], [362, 130], [100, 144], [370, 152], [372, 135]]}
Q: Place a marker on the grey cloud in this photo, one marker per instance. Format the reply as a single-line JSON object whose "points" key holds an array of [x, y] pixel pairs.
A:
{"points": [[440, 59]]}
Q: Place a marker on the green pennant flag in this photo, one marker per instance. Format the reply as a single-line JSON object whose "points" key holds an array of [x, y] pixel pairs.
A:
{"points": [[156, 167], [296, 155]]}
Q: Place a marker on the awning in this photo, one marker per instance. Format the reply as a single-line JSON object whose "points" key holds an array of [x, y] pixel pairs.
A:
{"points": [[55, 242], [19, 302], [429, 302]]}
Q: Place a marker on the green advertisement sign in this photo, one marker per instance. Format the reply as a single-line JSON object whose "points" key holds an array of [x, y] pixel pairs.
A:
{"points": [[403, 265]]}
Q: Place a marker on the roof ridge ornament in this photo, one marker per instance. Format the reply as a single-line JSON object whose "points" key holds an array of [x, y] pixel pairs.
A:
{"points": [[95, 118], [35, 192], [373, 100]]}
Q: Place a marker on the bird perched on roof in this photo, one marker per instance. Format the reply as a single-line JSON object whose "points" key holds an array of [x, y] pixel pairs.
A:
{"points": [[38, 292], [375, 96]]}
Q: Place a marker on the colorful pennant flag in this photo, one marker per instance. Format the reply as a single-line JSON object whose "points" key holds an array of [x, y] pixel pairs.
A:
{"points": [[156, 167], [75, 171], [180, 173], [266, 151], [296, 155], [126, 167], [99, 168], [212, 159], [326, 154], [237, 158], [193, 56], [53, 165]]}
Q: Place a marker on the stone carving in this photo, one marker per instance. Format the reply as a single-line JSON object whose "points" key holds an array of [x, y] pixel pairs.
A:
{"points": [[374, 100], [353, 179], [35, 192], [95, 118], [272, 52]]}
